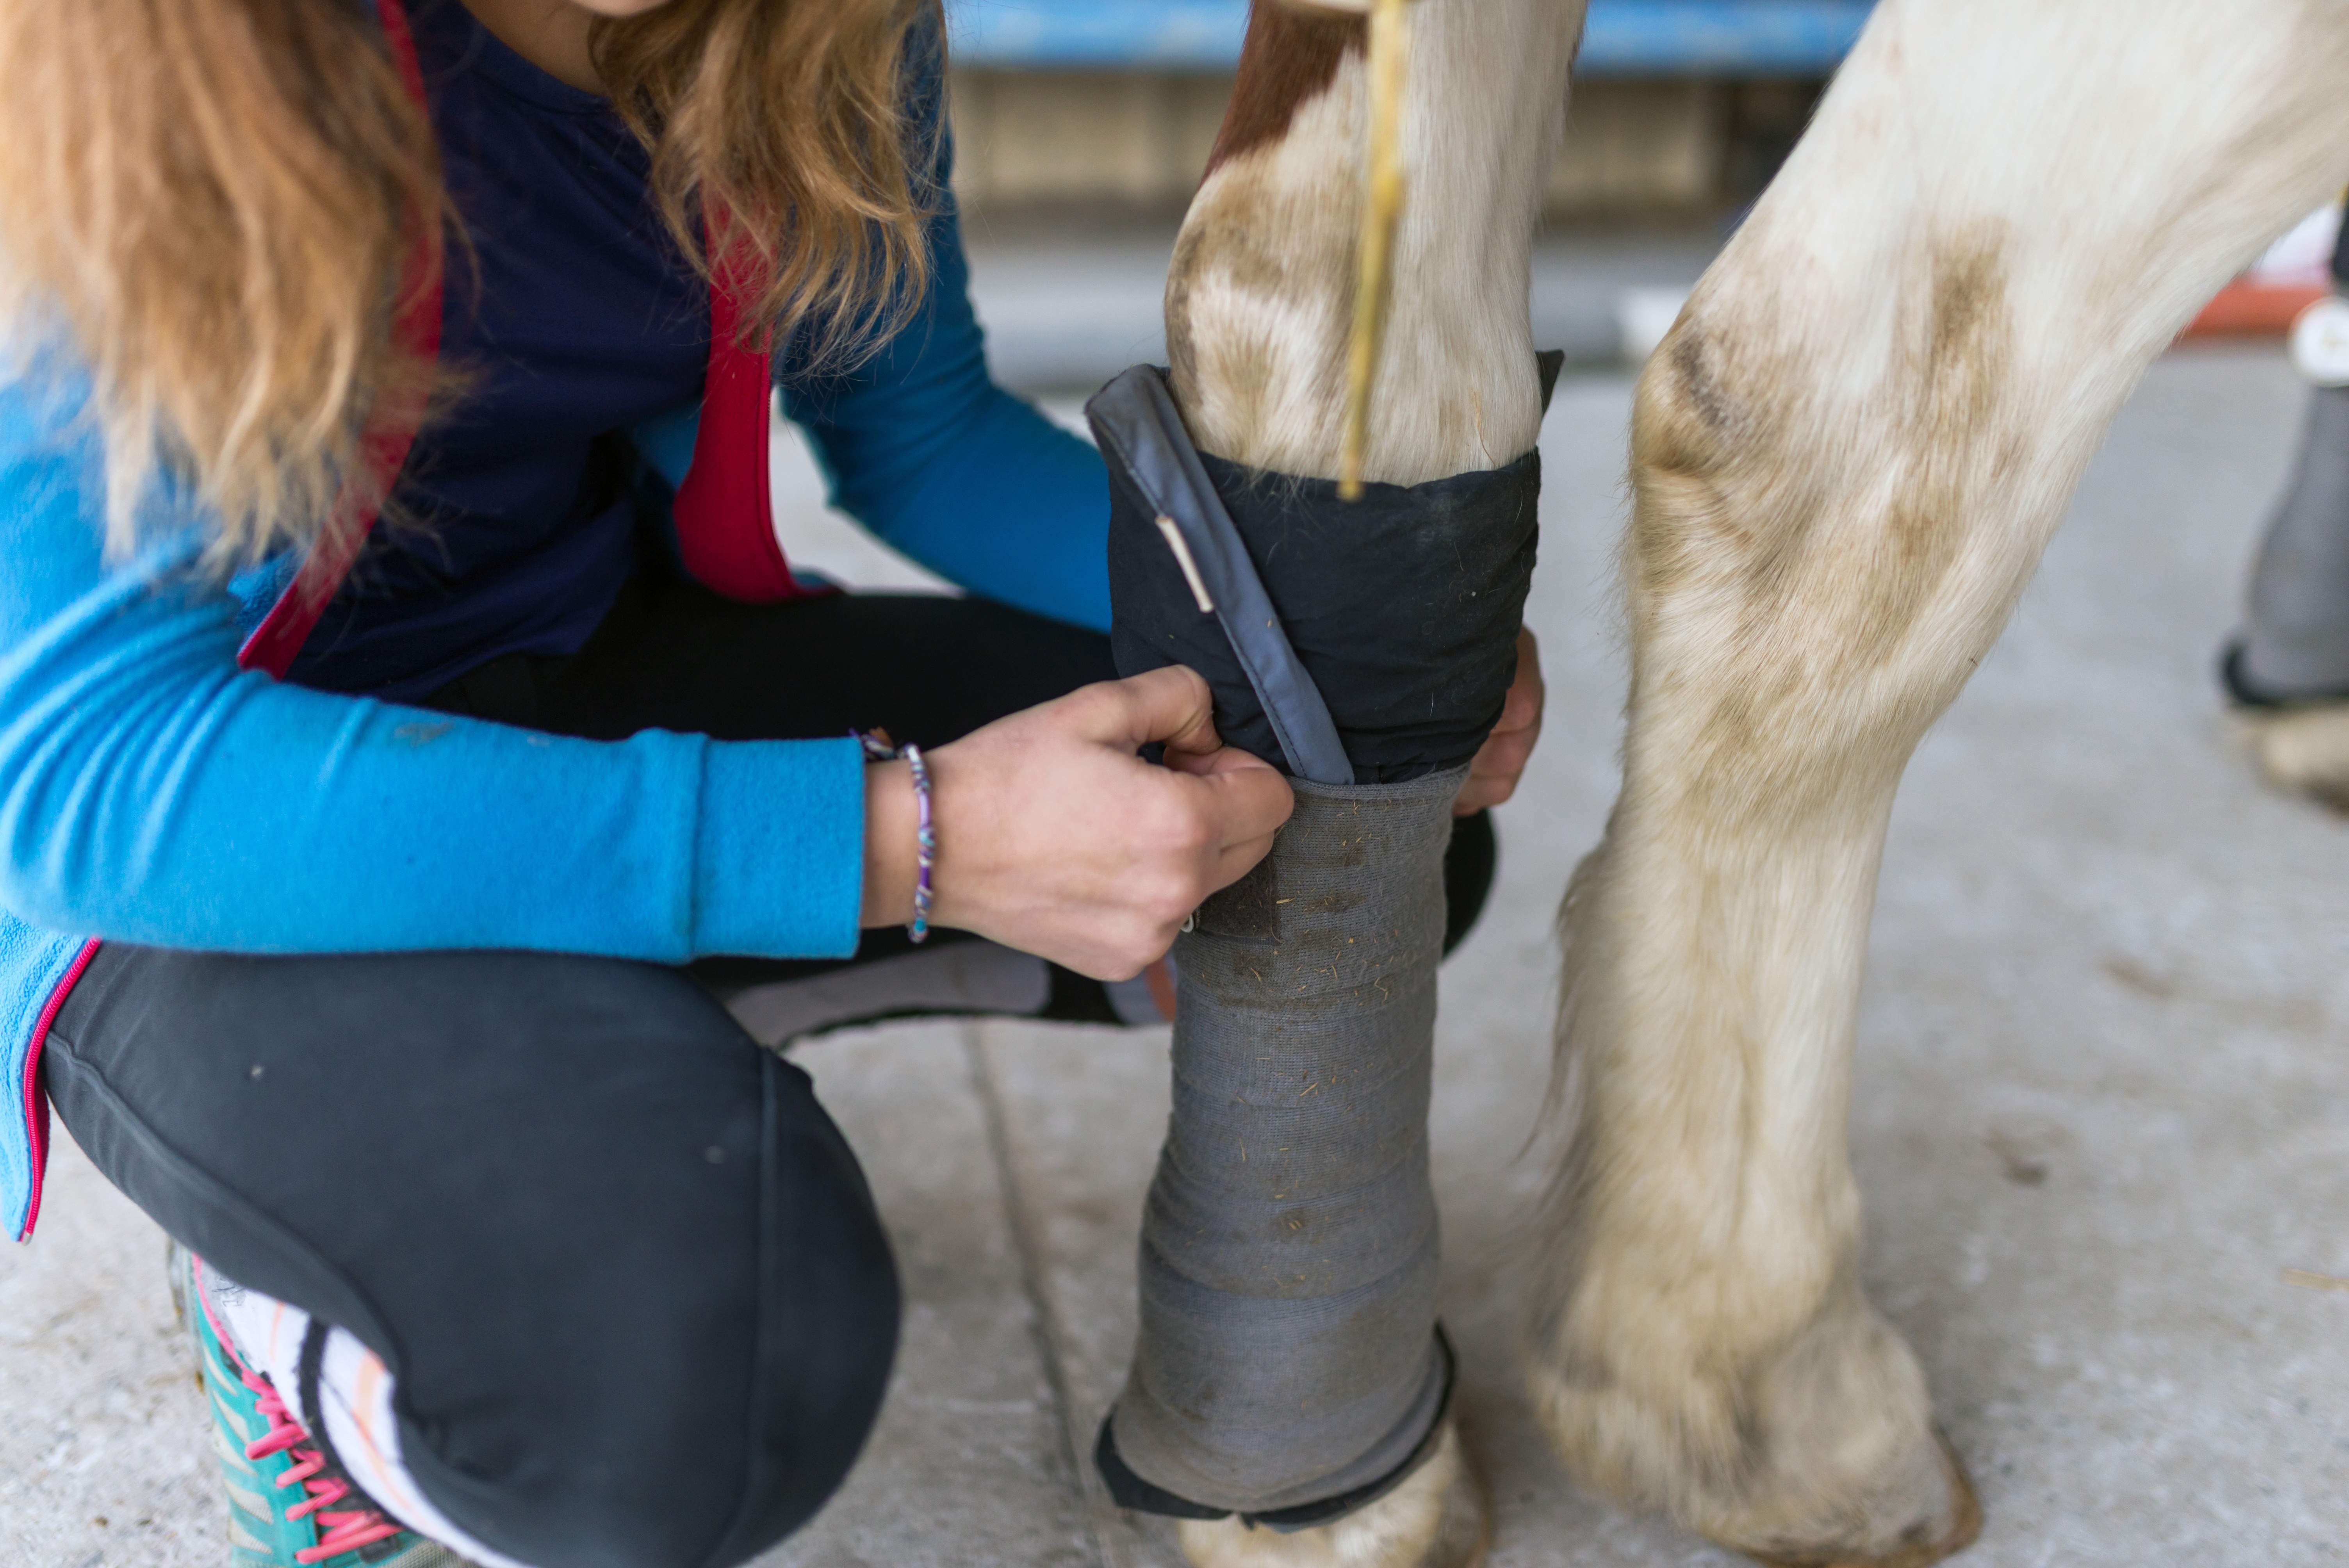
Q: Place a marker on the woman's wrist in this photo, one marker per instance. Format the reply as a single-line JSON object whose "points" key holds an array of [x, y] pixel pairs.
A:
{"points": [[892, 820]]}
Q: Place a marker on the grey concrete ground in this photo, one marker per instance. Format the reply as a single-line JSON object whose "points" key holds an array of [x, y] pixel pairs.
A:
{"points": [[2103, 1106]]}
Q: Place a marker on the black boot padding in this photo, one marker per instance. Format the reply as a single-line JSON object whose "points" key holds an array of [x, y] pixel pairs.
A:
{"points": [[1129, 1491], [1391, 621]]}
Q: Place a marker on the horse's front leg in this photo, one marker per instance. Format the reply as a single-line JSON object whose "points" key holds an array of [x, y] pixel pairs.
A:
{"points": [[1847, 457], [1290, 1395]]}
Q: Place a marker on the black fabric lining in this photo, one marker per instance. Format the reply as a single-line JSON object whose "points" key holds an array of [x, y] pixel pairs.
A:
{"points": [[1402, 607], [1148, 452], [1470, 863], [1128, 1489]]}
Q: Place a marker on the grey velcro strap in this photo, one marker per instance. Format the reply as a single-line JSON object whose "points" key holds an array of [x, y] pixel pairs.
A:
{"points": [[1136, 422]]}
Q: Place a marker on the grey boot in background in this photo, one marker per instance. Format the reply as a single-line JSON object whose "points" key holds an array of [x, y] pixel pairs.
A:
{"points": [[2288, 672], [2295, 645]]}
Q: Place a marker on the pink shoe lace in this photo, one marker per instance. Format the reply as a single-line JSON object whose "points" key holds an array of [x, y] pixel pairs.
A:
{"points": [[340, 1531], [344, 1530]]}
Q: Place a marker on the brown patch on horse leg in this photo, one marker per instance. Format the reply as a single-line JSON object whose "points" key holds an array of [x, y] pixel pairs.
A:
{"points": [[1287, 58]]}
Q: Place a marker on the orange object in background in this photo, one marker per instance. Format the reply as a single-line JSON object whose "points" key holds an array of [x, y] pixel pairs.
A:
{"points": [[2250, 307]]}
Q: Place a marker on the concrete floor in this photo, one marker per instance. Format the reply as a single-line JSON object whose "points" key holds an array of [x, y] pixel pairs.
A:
{"points": [[2103, 1106]]}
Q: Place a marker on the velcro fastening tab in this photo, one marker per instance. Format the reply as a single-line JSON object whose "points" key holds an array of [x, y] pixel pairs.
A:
{"points": [[1385, 627], [1152, 461]]}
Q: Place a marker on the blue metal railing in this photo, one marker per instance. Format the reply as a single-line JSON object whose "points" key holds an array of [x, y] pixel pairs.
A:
{"points": [[1624, 37]]}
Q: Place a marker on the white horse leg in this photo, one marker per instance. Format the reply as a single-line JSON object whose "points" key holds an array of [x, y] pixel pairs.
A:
{"points": [[1260, 303], [1847, 457], [1260, 296]]}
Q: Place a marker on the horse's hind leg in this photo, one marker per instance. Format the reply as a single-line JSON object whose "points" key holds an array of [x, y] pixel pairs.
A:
{"points": [[1848, 456]]}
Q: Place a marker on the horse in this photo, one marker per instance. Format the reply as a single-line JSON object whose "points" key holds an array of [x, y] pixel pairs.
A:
{"points": [[1845, 458]]}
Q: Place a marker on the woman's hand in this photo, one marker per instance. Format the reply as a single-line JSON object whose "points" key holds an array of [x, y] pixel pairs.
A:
{"points": [[1501, 760], [1056, 838]]}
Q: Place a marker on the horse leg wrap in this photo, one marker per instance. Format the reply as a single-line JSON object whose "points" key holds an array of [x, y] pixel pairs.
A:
{"points": [[1289, 1367], [1288, 1251], [2296, 640]]}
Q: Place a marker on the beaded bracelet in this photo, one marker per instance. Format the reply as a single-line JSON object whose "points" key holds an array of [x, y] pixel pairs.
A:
{"points": [[877, 749], [926, 846]]}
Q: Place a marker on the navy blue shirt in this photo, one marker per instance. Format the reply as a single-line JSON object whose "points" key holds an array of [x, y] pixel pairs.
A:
{"points": [[571, 317]]}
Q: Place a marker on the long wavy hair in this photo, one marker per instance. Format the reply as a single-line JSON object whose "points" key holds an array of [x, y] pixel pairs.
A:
{"points": [[216, 201]]}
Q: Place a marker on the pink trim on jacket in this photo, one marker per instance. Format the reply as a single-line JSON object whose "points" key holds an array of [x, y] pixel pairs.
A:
{"points": [[724, 513], [290, 621], [36, 1104], [280, 637]]}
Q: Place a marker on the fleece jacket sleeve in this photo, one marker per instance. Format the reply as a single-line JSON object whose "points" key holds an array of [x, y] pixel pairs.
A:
{"points": [[152, 792], [922, 447]]}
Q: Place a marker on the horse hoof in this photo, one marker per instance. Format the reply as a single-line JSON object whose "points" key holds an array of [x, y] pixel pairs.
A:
{"points": [[1963, 1525], [2304, 750], [1438, 1518]]}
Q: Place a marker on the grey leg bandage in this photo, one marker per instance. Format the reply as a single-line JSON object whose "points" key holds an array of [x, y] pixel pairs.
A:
{"points": [[1289, 1367], [1288, 1251], [2296, 639]]}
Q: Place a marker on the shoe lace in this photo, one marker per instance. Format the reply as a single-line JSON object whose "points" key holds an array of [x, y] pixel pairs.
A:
{"points": [[339, 1530], [343, 1530]]}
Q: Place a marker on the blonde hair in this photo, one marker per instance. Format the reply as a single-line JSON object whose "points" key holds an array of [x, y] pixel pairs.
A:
{"points": [[216, 201]]}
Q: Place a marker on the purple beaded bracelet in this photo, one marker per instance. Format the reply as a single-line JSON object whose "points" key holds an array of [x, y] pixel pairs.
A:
{"points": [[925, 845], [877, 749]]}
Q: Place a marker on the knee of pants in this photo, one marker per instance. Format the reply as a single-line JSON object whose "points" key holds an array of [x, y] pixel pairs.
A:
{"points": [[708, 1435]]}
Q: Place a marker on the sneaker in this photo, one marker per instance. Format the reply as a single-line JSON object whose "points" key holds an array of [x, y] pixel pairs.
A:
{"points": [[288, 1508]]}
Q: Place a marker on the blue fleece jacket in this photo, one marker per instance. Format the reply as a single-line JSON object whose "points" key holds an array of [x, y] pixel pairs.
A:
{"points": [[152, 792]]}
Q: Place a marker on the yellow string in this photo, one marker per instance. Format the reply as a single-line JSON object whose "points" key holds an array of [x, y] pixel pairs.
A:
{"points": [[1382, 209]]}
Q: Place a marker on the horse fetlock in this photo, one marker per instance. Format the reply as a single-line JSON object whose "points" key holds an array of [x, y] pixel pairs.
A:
{"points": [[1439, 1517], [1815, 1451]]}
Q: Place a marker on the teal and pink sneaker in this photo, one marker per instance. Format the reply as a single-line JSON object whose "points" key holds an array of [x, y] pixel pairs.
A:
{"points": [[287, 1507]]}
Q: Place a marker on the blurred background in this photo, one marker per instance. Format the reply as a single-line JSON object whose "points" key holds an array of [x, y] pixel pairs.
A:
{"points": [[1082, 127]]}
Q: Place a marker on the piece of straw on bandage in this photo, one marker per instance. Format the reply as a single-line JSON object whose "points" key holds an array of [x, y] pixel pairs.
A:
{"points": [[1190, 567]]}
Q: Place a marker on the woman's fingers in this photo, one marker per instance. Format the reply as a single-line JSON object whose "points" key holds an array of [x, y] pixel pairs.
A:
{"points": [[1499, 763], [1170, 706], [1237, 860], [1055, 837], [1493, 777], [1246, 797]]}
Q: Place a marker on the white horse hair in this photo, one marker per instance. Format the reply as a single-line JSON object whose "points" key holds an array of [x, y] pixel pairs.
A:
{"points": [[1847, 457]]}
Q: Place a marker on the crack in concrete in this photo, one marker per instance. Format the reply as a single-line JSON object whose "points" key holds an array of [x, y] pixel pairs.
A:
{"points": [[1101, 1521]]}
